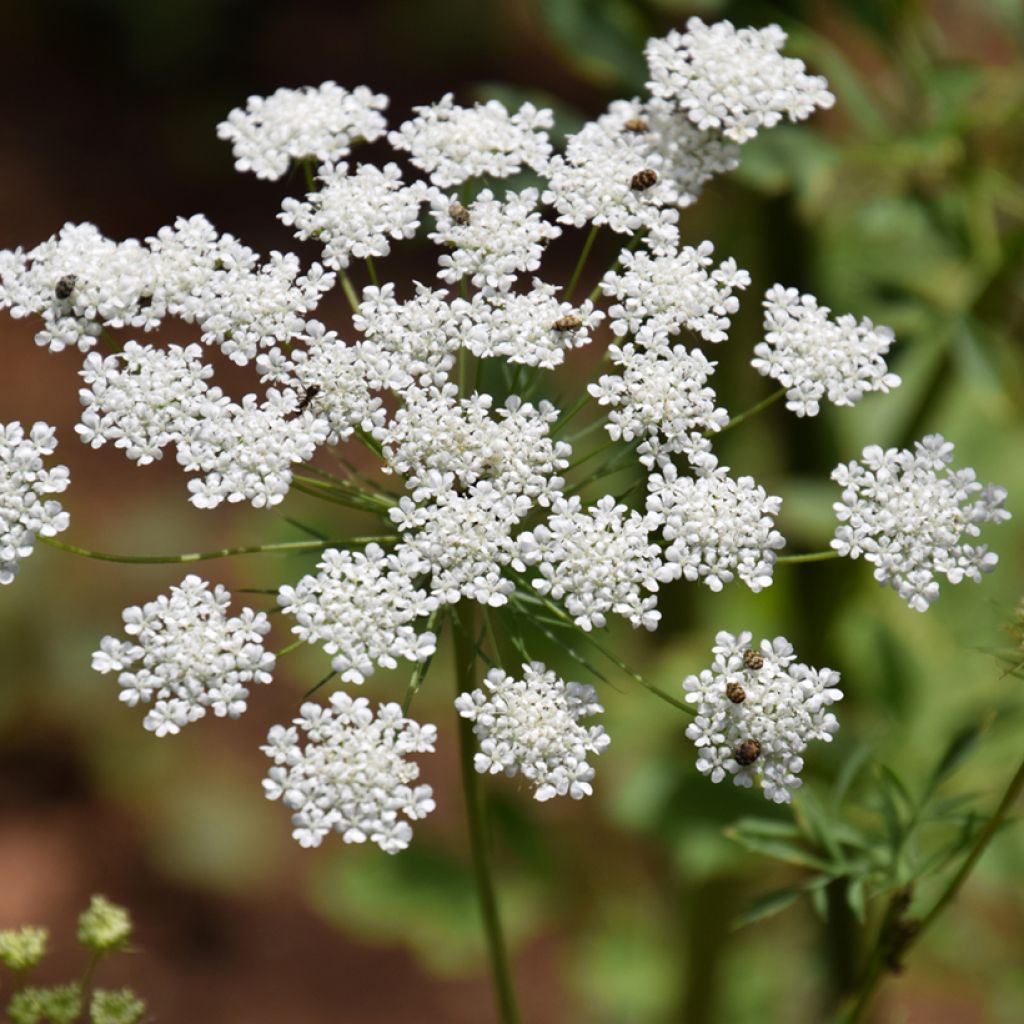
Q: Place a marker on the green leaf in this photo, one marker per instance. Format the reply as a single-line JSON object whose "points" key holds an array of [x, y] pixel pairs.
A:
{"points": [[768, 905], [960, 746], [788, 851], [856, 898]]}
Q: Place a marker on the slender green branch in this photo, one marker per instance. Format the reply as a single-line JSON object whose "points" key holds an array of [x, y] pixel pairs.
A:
{"points": [[285, 548], [581, 262], [597, 451], [322, 682], [571, 412], [288, 648], [814, 556], [637, 239], [307, 167], [465, 660], [371, 269], [85, 986], [349, 289], [752, 411], [897, 934], [1012, 792]]}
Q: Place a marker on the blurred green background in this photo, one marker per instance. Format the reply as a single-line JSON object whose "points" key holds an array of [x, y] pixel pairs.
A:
{"points": [[905, 203]]}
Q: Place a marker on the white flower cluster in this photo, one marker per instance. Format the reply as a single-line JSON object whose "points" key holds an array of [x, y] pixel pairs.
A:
{"points": [[320, 123], [187, 656], [344, 769], [435, 434], [658, 295], [718, 526], [662, 395], [733, 80], [356, 215], [361, 606], [907, 513], [814, 357], [491, 241], [598, 560], [145, 398], [531, 726], [757, 709], [533, 328], [25, 511], [453, 143]]}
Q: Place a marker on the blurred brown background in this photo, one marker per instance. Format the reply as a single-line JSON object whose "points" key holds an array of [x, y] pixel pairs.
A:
{"points": [[621, 906]]}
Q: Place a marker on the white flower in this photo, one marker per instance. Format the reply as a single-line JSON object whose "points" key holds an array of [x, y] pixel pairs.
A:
{"points": [[342, 768], [756, 712], [246, 451], [597, 560], [658, 295], [79, 281], [25, 512], [662, 395], [531, 726], [662, 135], [411, 342], [733, 80], [144, 398], [464, 538], [492, 240], [813, 356], [188, 656], [534, 328], [435, 434], [718, 526], [609, 176], [906, 512], [453, 143], [320, 123], [360, 607], [356, 215]]}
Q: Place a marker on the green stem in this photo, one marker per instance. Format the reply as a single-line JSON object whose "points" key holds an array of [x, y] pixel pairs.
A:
{"points": [[420, 672], [307, 167], [288, 648], [289, 547], [637, 239], [814, 556], [371, 269], [752, 411], [581, 262], [465, 659], [349, 289], [86, 984], [570, 413], [897, 905]]}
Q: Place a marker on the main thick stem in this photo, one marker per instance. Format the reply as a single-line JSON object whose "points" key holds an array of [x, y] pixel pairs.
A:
{"points": [[465, 660]]}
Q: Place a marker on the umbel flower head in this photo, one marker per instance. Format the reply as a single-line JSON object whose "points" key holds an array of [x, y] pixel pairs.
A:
{"points": [[187, 656], [907, 511], [343, 768], [757, 709], [25, 482], [531, 726], [434, 409]]}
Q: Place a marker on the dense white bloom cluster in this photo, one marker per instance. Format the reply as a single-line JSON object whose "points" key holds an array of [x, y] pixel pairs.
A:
{"points": [[453, 143], [814, 357], [490, 241], [436, 434], [662, 395], [465, 538], [906, 512], [319, 123], [246, 450], [356, 215], [25, 511], [598, 560], [342, 768], [361, 606], [534, 328], [187, 655], [531, 726], [733, 80], [145, 398], [757, 709], [656, 296], [718, 526]]}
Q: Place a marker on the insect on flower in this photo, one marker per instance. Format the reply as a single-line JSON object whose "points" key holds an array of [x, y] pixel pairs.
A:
{"points": [[304, 403]]}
